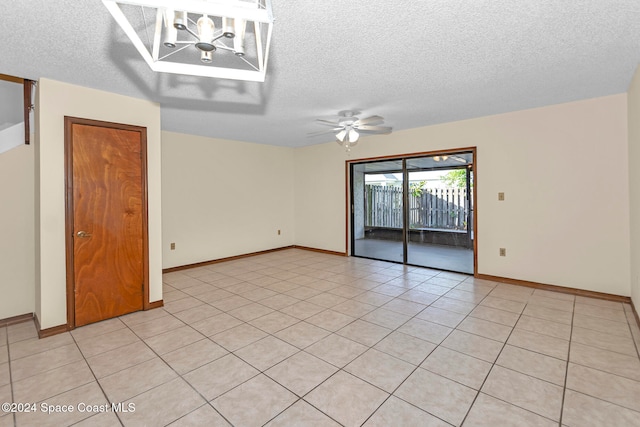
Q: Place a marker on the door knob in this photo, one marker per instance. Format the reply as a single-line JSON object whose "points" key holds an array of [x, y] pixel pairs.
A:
{"points": [[83, 234]]}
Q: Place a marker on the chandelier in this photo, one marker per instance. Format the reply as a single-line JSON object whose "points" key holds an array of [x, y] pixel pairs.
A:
{"points": [[226, 39]]}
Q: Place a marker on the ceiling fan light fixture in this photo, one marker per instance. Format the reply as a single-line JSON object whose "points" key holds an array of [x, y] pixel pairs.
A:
{"points": [[353, 136], [347, 128], [347, 137]]}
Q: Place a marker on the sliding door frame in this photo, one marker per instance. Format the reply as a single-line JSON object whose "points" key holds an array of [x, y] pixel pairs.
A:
{"points": [[350, 205], [405, 212]]}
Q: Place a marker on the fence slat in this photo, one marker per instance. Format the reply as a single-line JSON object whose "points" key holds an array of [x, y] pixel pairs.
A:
{"points": [[444, 208]]}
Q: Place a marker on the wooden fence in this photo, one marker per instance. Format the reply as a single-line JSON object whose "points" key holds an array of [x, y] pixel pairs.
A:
{"points": [[443, 208]]}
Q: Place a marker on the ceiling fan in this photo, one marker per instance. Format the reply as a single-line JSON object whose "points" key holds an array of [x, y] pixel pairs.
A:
{"points": [[348, 127]]}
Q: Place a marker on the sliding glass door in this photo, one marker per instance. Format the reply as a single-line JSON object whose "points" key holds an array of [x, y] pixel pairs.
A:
{"points": [[415, 210]]}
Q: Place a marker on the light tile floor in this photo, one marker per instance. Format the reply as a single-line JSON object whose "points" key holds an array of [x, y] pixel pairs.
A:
{"points": [[296, 338]]}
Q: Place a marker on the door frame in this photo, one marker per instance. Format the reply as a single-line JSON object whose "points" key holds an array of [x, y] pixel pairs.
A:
{"points": [[350, 209], [69, 208]]}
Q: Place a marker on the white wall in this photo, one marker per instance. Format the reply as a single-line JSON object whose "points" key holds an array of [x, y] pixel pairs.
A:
{"points": [[319, 182], [223, 198], [16, 228], [564, 171], [54, 101], [17, 278], [633, 99]]}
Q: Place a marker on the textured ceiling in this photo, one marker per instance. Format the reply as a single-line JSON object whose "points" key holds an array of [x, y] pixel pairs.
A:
{"points": [[416, 63]]}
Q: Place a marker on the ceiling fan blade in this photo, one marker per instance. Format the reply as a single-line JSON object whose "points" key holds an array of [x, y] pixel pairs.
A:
{"points": [[373, 120], [327, 123], [383, 130], [322, 132]]}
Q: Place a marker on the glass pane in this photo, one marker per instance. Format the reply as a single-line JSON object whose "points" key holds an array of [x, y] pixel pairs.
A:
{"points": [[378, 215], [439, 212]]}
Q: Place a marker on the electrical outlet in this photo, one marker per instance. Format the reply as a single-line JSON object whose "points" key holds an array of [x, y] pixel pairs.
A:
{"points": [[278, 232], [173, 246], [501, 196], [503, 252]]}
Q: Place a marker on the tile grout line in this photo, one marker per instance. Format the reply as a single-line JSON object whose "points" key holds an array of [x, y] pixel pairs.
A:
{"points": [[413, 371], [468, 315], [495, 363], [261, 372], [505, 343], [158, 356], [301, 398], [66, 364], [492, 364], [268, 334], [14, 415], [566, 372], [94, 377], [341, 369], [207, 402], [633, 337], [126, 326], [396, 330], [423, 360]]}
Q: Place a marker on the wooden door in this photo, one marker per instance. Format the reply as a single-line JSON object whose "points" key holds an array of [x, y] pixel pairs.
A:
{"points": [[107, 266]]}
